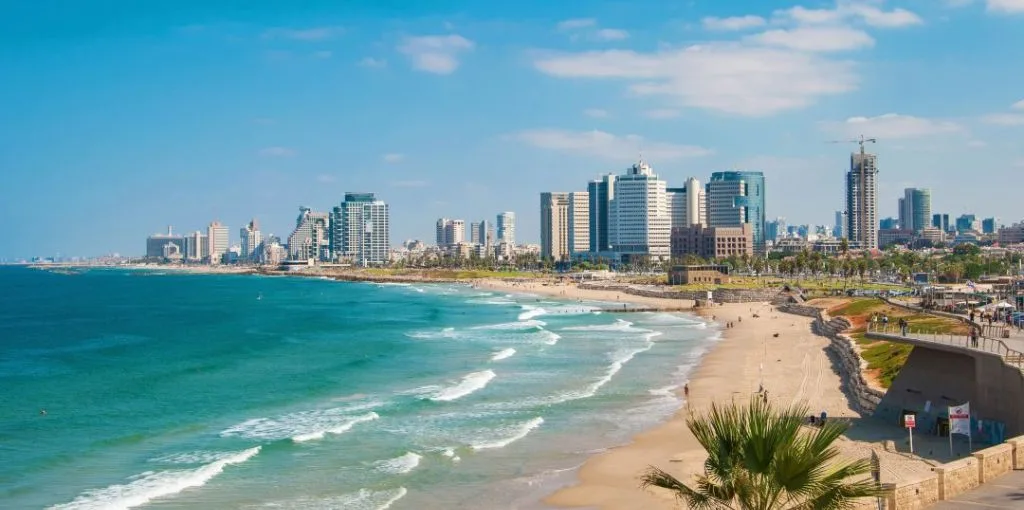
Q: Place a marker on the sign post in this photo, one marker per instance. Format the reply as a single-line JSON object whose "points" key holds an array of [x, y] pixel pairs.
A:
{"points": [[909, 421], [960, 423]]}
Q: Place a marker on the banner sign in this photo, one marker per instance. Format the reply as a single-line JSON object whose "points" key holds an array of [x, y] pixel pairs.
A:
{"points": [[960, 419]]}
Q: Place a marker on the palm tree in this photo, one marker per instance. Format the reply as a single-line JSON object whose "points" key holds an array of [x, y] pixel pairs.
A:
{"points": [[762, 458]]}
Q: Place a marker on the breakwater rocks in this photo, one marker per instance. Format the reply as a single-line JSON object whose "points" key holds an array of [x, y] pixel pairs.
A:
{"points": [[657, 291], [845, 355]]}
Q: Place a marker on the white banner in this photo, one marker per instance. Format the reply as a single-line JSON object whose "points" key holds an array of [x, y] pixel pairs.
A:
{"points": [[960, 419]]}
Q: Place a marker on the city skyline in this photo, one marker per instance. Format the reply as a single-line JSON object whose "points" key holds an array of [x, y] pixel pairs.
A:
{"points": [[180, 116]]}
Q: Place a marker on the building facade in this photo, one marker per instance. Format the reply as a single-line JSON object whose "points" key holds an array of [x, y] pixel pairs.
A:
{"points": [[506, 226], [220, 241], [251, 238], [713, 242], [735, 198], [862, 201], [639, 221], [989, 225], [554, 225], [915, 209], [967, 223], [314, 235], [365, 230], [941, 222], [579, 222], [600, 194], [156, 243]]}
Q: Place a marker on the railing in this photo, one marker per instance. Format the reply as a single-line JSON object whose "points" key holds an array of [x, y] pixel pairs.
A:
{"points": [[988, 345]]}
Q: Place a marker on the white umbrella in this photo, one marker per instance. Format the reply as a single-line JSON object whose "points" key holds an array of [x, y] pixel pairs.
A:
{"points": [[1004, 304]]}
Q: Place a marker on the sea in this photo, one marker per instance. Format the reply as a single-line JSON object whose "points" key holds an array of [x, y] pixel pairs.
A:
{"points": [[165, 390]]}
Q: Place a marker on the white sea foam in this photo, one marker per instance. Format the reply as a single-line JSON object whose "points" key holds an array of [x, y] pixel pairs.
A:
{"points": [[550, 337], [364, 499], [400, 465], [469, 384], [197, 457], [503, 354], [150, 485], [619, 326], [672, 319], [304, 426], [497, 301], [530, 312], [519, 325], [508, 435], [434, 335]]}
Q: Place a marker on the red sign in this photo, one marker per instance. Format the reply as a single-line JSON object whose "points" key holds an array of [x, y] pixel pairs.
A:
{"points": [[909, 421]]}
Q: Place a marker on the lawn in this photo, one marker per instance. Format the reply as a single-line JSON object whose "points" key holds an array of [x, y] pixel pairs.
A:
{"points": [[885, 359]]}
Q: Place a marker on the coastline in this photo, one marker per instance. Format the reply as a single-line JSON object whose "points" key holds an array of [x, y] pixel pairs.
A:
{"points": [[796, 370]]}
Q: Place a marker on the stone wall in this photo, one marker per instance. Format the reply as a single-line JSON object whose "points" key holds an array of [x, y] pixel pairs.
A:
{"points": [[914, 495], [1018, 451], [845, 354], [957, 477], [994, 462], [718, 295]]}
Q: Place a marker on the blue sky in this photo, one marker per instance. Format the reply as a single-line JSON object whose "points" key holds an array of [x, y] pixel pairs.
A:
{"points": [[119, 117]]}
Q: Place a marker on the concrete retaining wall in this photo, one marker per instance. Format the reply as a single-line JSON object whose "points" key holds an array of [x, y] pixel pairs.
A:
{"points": [[994, 462], [914, 495], [957, 477]]}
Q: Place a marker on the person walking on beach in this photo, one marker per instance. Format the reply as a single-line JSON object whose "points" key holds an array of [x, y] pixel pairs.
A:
{"points": [[686, 390]]}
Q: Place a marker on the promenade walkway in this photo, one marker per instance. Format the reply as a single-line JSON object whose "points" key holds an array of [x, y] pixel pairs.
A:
{"points": [[998, 346]]}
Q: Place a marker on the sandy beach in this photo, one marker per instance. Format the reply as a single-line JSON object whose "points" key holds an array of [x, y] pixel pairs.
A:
{"points": [[796, 369]]}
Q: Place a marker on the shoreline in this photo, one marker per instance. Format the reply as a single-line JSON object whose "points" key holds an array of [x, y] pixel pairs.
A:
{"points": [[793, 367]]}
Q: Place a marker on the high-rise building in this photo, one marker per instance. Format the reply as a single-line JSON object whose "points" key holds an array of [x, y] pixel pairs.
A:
{"points": [[687, 205], [365, 229], [941, 222], [474, 234], [735, 198], [220, 241], [639, 221], [507, 228], [967, 223], [600, 193], [838, 231], [554, 225], [889, 223], [156, 243], [989, 225], [915, 209], [772, 229], [579, 222], [451, 232], [481, 233], [197, 246], [251, 240], [862, 201], [314, 235]]}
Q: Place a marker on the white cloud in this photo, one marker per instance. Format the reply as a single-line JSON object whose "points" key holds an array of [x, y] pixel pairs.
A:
{"points": [[844, 10], [410, 184], [728, 77], [815, 38], [595, 113], [733, 23], [1019, 105], [436, 54], [1006, 6], [393, 158], [1004, 119], [892, 126], [376, 63], [661, 113], [577, 23], [611, 34], [602, 145], [276, 152], [303, 34]]}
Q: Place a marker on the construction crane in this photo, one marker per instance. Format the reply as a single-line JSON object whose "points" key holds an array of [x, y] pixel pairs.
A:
{"points": [[862, 199]]}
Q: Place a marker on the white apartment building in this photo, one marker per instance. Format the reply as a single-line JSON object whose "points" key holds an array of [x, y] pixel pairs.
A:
{"points": [[554, 225], [251, 239], [506, 224], [365, 229], [579, 222], [310, 238], [639, 221], [219, 240], [688, 205]]}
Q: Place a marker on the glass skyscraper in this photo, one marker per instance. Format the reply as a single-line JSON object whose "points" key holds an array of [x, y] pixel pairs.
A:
{"points": [[735, 198]]}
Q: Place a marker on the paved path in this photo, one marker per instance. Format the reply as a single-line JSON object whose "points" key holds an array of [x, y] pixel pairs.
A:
{"points": [[1007, 491]]}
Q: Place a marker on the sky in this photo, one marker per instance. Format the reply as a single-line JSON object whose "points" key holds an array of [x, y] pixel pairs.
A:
{"points": [[119, 118]]}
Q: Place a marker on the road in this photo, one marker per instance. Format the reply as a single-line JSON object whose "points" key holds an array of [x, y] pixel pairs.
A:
{"points": [[1006, 491]]}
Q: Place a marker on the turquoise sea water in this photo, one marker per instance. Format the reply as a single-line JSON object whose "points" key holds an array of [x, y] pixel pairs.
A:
{"points": [[203, 391]]}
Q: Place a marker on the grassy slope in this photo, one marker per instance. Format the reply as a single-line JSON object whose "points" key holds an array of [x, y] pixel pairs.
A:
{"points": [[885, 359]]}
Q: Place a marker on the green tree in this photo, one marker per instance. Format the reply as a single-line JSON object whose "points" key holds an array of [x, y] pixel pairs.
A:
{"points": [[762, 458]]}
